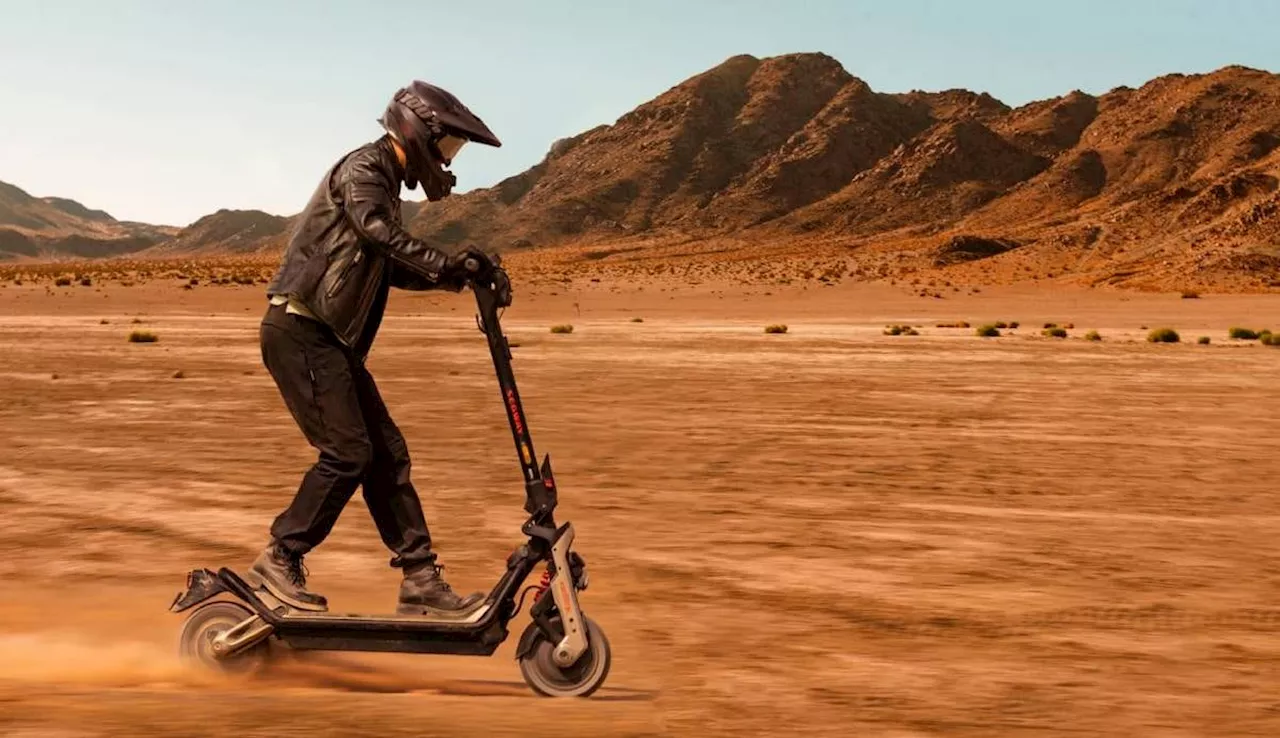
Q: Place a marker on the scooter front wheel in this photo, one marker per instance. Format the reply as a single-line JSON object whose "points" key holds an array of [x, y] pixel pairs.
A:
{"points": [[548, 679], [205, 624]]}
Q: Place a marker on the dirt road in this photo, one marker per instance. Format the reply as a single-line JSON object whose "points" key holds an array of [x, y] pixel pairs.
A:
{"points": [[828, 532]]}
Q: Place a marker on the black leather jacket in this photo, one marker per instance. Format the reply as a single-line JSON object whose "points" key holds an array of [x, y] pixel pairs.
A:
{"points": [[349, 248]]}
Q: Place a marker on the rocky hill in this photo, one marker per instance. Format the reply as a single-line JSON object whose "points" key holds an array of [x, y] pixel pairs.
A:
{"points": [[226, 232], [54, 226]]}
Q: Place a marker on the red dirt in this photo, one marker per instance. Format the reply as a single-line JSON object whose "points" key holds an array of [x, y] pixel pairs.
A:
{"points": [[828, 532]]}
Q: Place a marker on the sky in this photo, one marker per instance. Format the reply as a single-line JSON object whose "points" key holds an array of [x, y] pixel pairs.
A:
{"points": [[166, 110]]}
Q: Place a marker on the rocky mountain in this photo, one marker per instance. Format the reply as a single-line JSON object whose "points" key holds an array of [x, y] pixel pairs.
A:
{"points": [[1179, 176], [793, 141], [1175, 179]]}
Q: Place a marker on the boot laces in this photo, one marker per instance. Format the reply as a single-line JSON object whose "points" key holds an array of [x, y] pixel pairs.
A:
{"points": [[435, 580], [297, 571], [440, 582]]}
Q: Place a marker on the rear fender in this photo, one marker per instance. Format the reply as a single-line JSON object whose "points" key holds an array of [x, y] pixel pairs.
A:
{"points": [[201, 585]]}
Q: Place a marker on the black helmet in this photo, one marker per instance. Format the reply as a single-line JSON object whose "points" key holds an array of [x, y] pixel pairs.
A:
{"points": [[431, 125]]}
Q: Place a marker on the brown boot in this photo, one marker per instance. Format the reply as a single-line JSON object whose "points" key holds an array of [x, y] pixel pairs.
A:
{"points": [[282, 574], [423, 590]]}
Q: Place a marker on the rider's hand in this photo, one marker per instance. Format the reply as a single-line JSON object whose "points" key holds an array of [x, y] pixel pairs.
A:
{"points": [[483, 266], [483, 261]]}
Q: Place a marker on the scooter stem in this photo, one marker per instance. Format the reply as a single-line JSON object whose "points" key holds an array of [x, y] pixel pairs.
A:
{"points": [[539, 482]]}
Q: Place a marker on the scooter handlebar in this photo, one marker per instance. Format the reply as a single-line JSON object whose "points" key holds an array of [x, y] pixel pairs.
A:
{"points": [[476, 262], [494, 280]]}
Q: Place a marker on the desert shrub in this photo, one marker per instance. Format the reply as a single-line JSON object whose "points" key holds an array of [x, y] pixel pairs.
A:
{"points": [[1163, 335], [957, 324], [775, 328], [1093, 336], [1271, 339], [1013, 325], [637, 320], [566, 328], [900, 330], [1069, 326], [179, 374], [1055, 332], [1050, 326], [143, 337], [1203, 340], [1001, 325], [1242, 334], [988, 331], [62, 282], [86, 282], [1190, 295]]}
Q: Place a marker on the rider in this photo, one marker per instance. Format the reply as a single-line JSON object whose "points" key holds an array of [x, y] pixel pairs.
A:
{"points": [[326, 303]]}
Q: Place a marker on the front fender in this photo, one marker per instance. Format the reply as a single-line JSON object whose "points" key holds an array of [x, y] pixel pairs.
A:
{"points": [[201, 585], [528, 639]]}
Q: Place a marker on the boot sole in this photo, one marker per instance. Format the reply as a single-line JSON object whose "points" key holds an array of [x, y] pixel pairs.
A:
{"points": [[257, 580]]}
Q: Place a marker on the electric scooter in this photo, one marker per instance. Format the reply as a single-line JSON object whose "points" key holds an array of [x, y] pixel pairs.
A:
{"points": [[562, 653]]}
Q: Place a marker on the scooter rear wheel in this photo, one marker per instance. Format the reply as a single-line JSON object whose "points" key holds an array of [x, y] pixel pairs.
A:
{"points": [[207, 622], [548, 679]]}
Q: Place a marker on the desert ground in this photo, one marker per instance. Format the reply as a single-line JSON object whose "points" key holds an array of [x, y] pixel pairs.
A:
{"points": [[832, 531]]}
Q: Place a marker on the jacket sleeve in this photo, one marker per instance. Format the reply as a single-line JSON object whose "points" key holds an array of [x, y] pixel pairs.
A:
{"points": [[367, 193], [404, 278]]}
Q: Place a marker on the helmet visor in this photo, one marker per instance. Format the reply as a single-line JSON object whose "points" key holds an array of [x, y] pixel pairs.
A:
{"points": [[448, 146]]}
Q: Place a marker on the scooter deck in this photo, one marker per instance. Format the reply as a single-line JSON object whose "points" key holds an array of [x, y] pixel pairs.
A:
{"points": [[285, 618], [468, 617], [477, 632]]}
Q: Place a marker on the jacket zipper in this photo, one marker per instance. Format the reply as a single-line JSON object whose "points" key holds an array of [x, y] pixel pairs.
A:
{"points": [[363, 310], [346, 271]]}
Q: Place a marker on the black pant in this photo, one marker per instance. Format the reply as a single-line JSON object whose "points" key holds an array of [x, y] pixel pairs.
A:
{"points": [[336, 404]]}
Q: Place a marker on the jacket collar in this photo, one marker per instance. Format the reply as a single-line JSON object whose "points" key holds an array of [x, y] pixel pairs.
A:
{"points": [[384, 144]]}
